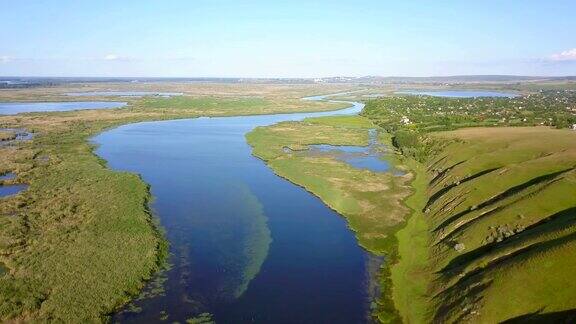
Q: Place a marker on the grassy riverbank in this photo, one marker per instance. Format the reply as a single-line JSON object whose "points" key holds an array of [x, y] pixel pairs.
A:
{"points": [[80, 240], [371, 202]]}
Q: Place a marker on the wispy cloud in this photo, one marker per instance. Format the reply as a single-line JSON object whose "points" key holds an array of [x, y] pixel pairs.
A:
{"points": [[569, 55], [5, 59], [115, 57]]}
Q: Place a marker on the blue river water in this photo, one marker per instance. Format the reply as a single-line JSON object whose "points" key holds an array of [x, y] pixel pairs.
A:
{"points": [[246, 245], [13, 108]]}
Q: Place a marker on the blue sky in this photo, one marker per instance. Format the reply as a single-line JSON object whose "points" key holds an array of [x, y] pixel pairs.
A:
{"points": [[218, 38]]}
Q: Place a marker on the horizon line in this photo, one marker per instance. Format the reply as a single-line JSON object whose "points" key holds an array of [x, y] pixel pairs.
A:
{"points": [[287, 78]]}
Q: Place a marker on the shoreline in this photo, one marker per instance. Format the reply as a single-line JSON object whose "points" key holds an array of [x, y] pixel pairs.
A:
{"points": [[386, 311]]}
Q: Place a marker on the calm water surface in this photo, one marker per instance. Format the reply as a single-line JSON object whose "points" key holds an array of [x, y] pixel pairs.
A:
{"points": [[9, 190], [13, 108], [8, 176], [246, 245], [460, 93], [360, 157]]}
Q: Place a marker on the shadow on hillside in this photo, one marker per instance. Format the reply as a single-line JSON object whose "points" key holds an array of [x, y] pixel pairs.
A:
{"points": [[562, 317]]}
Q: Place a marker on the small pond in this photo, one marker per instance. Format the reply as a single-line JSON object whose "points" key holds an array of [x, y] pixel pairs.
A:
{"points": [[361, 157], [9, 190], [8, 176], [459, 93], [20, 135], [13, 108]]}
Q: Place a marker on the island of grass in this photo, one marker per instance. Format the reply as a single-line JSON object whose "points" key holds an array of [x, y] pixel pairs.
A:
{"points": [[491, 227], [81, 241]]}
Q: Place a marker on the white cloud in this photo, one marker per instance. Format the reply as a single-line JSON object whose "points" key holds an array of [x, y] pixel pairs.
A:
{"points": [[5, 59], [569, 55], [114, 57]]}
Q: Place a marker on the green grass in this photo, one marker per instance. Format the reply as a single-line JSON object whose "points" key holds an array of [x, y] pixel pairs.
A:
{"points": [[80, 242], [214, 106], [410, 276], [341, 121], [503, 194], [76, 215], [481, 180], [208, 103]]}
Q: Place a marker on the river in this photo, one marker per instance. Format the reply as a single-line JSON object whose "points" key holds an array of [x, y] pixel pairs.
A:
{"points": [[246, 245]]}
